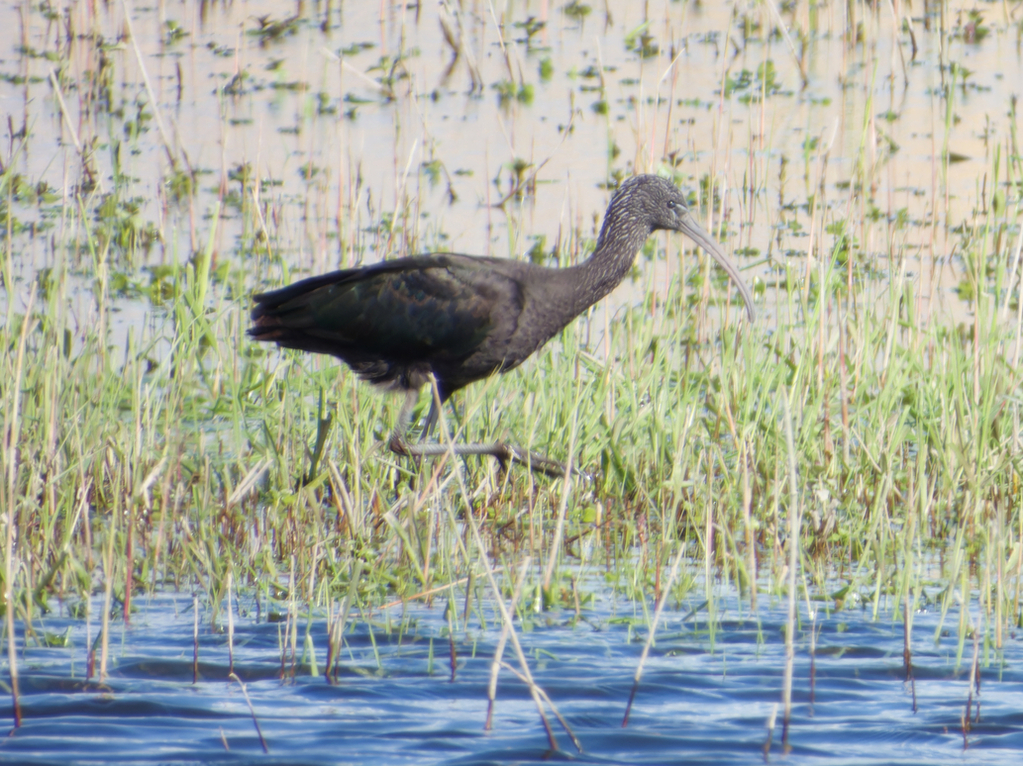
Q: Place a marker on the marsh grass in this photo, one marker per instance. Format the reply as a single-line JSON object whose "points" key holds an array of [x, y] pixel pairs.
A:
{"points": [[184, 456], [127, 463]]}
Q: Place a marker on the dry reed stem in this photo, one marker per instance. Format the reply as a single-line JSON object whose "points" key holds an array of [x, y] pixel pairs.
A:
{"points": [[566, 491], [13, 427], [766, 747], [230, 626], [793, 565], [484, 561], [974, 683], [338, 627], [65, 114], [747, 500], [108, 593], [195, 638], [672, 575], [252, 712], [561, 719], [495, 663], [149, 89]]}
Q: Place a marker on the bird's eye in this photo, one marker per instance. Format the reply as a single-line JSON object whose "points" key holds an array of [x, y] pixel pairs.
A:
{"points": [[671, 204]]}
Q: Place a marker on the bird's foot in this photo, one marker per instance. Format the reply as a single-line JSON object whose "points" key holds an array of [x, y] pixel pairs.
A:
{"points": [[505, 454], [399, 446], [508, 453]]}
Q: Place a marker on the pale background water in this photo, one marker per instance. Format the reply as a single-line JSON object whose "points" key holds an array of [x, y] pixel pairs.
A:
{"points": [[368, 171], [334, 149]]}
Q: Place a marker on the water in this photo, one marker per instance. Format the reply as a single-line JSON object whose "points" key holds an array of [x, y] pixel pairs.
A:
{"points": [[361, 143], [705, 697]]}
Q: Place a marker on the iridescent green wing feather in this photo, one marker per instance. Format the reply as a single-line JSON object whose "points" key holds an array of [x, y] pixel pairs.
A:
{"points": [[426, 307]]}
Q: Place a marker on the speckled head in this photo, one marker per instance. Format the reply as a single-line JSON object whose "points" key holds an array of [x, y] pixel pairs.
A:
{"points": [[642, 205], [651, 201]]}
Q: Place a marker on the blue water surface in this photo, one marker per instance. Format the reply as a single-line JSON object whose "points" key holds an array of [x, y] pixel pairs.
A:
{"points": [[706, 695]]}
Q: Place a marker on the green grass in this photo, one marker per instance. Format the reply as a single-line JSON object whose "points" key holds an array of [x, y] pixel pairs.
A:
{"points": [[130, 460], [182, 455]]}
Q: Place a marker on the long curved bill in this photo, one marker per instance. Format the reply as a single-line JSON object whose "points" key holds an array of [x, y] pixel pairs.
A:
{"points": [[695, 232]]}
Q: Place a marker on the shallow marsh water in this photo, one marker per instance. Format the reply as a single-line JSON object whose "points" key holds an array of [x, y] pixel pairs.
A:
{"points": [[361, 135], [328, 146], [707, 693]]}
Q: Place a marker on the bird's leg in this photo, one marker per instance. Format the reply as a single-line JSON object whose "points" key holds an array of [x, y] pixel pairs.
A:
{"points": [[398, 441], [505, 453], [509, 453], [431, 419]]}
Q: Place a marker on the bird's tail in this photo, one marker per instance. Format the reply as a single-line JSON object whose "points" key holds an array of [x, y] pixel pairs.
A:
{"points": [[284, 317]]}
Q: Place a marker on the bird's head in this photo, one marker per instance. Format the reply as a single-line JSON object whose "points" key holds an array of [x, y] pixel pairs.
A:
{"points": [[643, 204], [651, 202]]}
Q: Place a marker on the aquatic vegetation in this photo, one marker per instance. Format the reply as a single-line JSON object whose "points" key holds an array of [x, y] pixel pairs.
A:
{"points": [[146, 192]]}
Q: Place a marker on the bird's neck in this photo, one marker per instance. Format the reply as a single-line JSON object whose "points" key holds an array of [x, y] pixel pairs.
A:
{"points": [[619, 241]]}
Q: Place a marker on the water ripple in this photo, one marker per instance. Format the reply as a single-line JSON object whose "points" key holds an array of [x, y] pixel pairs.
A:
{"points": [[706, 695]]}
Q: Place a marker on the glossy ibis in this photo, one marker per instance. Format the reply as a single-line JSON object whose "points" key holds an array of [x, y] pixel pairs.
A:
{"points": [[461, 318]]}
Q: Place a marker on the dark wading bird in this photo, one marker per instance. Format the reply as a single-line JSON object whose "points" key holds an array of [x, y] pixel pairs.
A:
{"points": [[462, 318]]}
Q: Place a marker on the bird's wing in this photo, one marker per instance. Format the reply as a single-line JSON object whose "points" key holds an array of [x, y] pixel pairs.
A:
{"points": [[407, 309]]}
